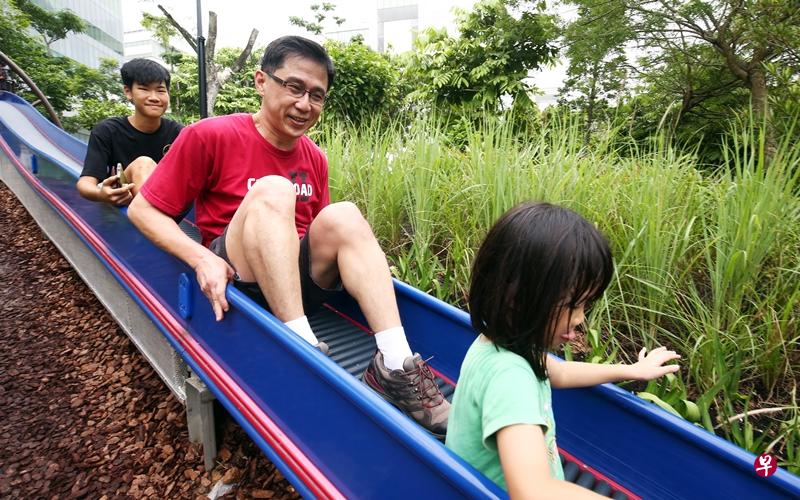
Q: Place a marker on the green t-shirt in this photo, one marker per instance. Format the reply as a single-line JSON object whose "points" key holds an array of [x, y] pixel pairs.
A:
{"points": [[498, 388]]}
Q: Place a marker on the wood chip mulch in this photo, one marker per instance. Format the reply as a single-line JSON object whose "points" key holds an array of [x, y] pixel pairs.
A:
{"points": [[82, 413]]}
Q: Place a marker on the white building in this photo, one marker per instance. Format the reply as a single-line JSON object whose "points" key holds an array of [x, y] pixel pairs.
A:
{"points": [[392, 25], [103, 35], [141, 43]]}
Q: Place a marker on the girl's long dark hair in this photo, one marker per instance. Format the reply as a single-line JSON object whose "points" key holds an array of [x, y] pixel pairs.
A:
{"points": [[536, 257]]}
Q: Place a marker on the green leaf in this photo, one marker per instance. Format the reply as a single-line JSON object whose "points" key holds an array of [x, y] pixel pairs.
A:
{"points": [[658, 401], [689, 410]]}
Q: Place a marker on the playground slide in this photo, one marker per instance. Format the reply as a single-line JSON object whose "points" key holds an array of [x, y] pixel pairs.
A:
{"points": [[330, 435]]}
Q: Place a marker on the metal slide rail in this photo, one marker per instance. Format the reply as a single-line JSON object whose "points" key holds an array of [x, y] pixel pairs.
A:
{"points": [[329, 434]]}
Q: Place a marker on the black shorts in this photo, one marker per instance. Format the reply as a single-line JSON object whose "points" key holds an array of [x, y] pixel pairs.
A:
{"points": [[313, 294]]}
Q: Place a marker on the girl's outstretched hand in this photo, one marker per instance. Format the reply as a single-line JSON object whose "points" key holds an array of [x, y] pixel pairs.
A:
{"points": [[651, 365]]}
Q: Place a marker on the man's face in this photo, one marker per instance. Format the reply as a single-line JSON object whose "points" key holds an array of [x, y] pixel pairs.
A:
{"points": [[287, 117], [150, 100]]}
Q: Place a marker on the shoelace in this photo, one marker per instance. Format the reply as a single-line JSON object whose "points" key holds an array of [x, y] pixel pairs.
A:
{"points": [[426, 387]]}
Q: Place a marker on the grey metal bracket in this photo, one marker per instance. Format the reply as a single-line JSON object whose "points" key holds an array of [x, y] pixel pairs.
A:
{"points": [[200, 418]]}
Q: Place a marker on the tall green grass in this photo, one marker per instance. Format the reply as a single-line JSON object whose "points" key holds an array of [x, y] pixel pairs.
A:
{"points": [[706, 262]]}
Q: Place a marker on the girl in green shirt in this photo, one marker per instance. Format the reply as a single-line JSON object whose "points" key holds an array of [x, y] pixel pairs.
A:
{"points": [[537, 270]]}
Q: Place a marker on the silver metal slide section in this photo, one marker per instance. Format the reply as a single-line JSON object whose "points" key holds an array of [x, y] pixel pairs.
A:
{"points": [[34, 138]]}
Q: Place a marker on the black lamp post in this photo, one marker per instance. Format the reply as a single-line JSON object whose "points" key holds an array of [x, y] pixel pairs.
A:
{"points": [[201, 63]]}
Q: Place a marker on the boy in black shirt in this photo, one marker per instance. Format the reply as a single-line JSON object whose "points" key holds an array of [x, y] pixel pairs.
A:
{"points": [[136, 142]]}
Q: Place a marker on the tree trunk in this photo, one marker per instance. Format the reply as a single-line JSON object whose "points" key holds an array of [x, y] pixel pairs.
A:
{"points": [[687, 103], [760, 96], [212, 73], [590, 105], [212, 91], [755, 80]]}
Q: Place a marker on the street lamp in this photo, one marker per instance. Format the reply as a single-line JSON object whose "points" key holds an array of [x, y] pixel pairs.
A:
{"points": [[201, 63]]}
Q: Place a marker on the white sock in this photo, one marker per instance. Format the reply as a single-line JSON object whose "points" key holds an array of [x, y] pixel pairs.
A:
{"points": [[393, 345], [301, 327]]}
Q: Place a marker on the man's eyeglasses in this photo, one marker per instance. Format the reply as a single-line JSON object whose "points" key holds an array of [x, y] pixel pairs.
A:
{"points": [[298, 90]]}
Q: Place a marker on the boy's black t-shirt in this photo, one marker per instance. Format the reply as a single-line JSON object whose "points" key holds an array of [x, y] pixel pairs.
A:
{"points": [[115, 140]]}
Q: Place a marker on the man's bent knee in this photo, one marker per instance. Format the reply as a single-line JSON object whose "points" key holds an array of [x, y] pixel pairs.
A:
{"points": [[273, 193], [342, 213], [343, 219], [270, 186]]}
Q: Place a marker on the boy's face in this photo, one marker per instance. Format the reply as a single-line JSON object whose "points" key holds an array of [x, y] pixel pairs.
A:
{"points": [[150, 100]]}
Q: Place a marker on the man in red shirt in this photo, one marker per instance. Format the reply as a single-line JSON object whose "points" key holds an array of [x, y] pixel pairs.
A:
{"points": [[260, 188]]}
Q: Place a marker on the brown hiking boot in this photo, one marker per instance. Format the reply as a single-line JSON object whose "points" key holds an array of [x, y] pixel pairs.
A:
{"points": [[413, 390]]}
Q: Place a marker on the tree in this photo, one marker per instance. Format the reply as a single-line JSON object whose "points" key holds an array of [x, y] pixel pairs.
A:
{"points": [[216, 75], [63, 81], [366, 82], [320, 13], [784, 98], [500, 42], [184, 90], [93, 111], [692, 98], [237, 95], [101, 95], [51, 26], [595, 47], [745, 35], [163, 31]]}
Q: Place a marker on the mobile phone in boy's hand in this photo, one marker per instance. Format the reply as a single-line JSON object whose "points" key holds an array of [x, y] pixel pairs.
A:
{"points": [[121, 175]]}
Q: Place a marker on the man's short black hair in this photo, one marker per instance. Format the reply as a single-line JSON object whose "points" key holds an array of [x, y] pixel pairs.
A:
{"points": [[286, 46], [536, 261], [144, 72]]}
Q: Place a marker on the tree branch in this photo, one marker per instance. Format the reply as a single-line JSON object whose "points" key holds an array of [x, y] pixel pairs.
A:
{"points": [[245, 52], [733, 63], [185, 34], [211, 41]]}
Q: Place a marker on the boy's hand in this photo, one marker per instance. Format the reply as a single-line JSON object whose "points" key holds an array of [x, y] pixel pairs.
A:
{"points": [[651, 365], [117, 196]]}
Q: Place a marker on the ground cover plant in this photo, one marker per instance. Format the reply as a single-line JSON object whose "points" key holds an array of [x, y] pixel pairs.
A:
{"points": [[707, 262]]}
